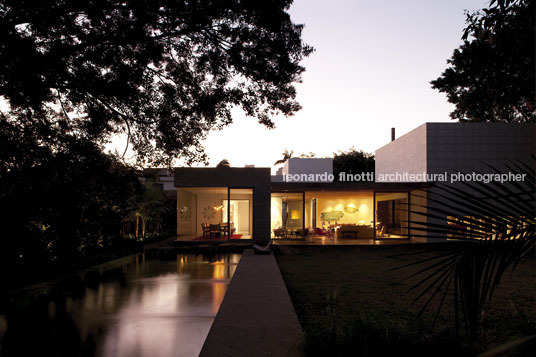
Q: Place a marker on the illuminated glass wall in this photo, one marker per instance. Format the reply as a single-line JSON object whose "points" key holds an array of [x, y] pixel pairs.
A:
{"points": [[287, 214], [199, 207], [392, 215], [349, 215], [240, 212]]}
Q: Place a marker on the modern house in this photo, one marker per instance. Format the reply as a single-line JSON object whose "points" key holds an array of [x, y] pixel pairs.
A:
{"points": [[304, 200], [455, 154]]}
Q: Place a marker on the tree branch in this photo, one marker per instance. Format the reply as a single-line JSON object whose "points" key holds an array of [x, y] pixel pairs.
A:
{"points": [[128, 138]]}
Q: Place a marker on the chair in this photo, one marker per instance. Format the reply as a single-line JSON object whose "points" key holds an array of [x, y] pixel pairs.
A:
{"points": [[233, 229], [320, 231], [281, 232], [205, 229], [225, 228], [301, 233], [214, 229]]}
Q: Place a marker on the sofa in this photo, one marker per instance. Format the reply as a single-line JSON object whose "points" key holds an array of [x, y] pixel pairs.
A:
{"points": [[355, 231]]}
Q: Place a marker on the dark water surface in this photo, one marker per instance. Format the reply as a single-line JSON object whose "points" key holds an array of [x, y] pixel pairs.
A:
{"points": [[141, 307]]}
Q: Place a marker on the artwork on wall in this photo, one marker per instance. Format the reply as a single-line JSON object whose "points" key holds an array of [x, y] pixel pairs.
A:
{"points": [[350, 209], [208, 212], [185, 213], [331, 216]]}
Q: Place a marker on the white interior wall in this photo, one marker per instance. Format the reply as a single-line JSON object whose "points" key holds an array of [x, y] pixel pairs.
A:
{"points": [[363, 203], [276, 211]]}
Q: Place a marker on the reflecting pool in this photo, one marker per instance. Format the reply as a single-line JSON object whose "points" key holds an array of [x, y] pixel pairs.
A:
{"points": [[141, 307]]}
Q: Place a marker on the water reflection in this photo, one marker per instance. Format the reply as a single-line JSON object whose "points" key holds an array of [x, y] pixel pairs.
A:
{"points": [[144, 307]]}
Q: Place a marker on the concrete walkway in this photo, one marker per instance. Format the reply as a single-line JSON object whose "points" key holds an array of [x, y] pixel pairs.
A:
{"points": [[256, 317]]}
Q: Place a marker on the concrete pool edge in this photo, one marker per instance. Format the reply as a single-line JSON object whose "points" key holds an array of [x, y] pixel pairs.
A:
{"points": [[256, 317]]}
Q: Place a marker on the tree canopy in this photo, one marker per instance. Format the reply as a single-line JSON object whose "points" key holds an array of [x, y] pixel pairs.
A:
{"points": [[286, 155], [491, 76], [74, 73], [60, 208], [352, 162], [224, 163], [162, 72]]}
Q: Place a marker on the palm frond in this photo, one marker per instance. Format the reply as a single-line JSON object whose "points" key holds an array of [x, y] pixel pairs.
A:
{"points": [[498, 223]]}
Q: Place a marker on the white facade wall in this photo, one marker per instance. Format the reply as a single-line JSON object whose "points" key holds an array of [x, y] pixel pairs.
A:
{"points": [[405, 154], [168, 182], [436, 148], [309, 166]]}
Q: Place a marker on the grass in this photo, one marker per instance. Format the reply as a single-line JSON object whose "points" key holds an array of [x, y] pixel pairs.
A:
{"points": [[350, 302]]}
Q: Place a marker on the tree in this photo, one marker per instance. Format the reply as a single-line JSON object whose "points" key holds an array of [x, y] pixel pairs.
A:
{"points": [[152, 209], [162, 72], [286, 155], [307, 155], [59, 209], [491, 76], [352, 162], [74, 73], [224, 163]]}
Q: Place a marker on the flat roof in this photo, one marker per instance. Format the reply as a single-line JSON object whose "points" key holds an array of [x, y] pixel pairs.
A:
{"points": [[222, 176]]}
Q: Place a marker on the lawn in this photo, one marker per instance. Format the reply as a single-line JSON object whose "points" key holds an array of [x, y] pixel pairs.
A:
{"points": [[350, 302]]}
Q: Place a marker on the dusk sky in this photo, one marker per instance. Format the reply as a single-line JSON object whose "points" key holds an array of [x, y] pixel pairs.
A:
{"points": [[370, 72]]}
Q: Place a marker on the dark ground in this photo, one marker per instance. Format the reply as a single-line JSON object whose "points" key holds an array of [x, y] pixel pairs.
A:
{"points": [[349, 302]]}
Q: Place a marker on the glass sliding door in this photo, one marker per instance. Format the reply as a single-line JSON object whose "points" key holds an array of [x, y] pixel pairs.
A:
{"points": [[392, 214], [287, 215], [238, 210]]}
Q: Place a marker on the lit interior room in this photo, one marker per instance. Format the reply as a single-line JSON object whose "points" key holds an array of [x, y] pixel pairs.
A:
{"points": [[331, 214], [392, 214], [214, 213]]}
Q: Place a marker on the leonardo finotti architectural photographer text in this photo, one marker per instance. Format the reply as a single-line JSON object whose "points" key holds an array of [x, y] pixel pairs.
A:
{"points": [[407, 177], [452, 178]]}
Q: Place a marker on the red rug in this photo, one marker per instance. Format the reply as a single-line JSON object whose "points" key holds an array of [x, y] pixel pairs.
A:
{"points": [[222, 237]]}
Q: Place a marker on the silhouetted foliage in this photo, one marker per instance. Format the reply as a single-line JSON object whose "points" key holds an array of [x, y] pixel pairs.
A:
{"points": [[491, 76], [352, 162], [74, 73], [224, 163], [497, 222], [307, 155], [162, 72], [59, 209], [286, 155], [153, 215]]}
